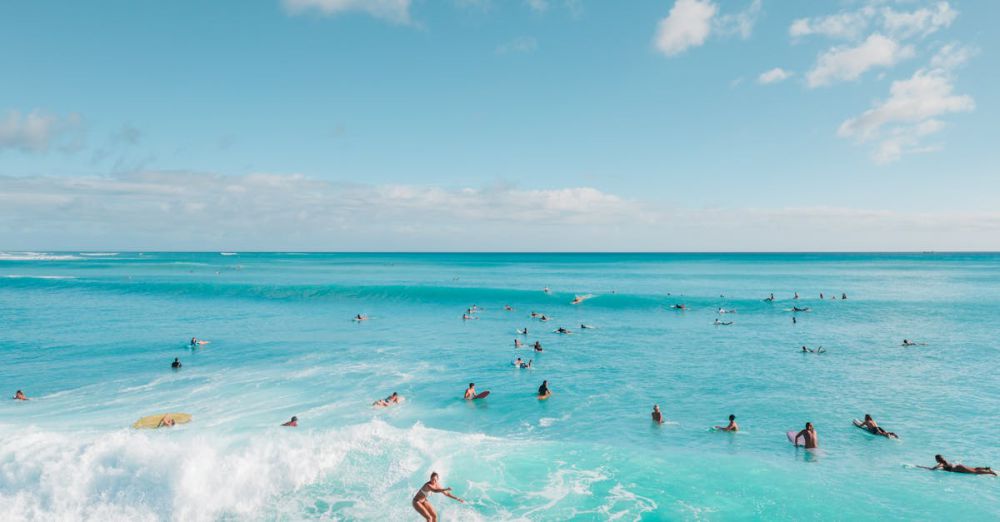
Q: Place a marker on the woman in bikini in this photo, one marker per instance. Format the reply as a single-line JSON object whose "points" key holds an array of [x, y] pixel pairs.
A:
{"points": [[423, 505]]}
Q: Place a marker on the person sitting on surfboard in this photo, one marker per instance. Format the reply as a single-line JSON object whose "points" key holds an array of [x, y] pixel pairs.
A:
{"points": [[292, 423], [176, 364], [958, 468], [470, 392], [809, 437], [732, 426], [873, 427], [657, 415], [19, 396], [388, 401], [543, 390]]}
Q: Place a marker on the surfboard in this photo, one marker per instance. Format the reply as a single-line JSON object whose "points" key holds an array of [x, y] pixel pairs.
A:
{"points": [[482, 395], [791, 437], [544, 397], [153, 421]]}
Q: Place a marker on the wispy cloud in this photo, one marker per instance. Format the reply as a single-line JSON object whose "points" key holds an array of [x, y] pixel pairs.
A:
{"points": [[521, 44], [910, 113], [849, 63], [690, 22], [774, 76], [395, 11], [186, 210], [37, 131]]}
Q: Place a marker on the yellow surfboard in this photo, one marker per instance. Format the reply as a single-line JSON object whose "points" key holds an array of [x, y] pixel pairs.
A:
{"points": [[155, 421]]}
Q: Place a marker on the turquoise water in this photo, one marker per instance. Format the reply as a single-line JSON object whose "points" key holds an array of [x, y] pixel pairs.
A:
{"points": [[90, 338]]}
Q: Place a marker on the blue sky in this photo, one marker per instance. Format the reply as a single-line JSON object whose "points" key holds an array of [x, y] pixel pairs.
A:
{"points": [[458, 124]]}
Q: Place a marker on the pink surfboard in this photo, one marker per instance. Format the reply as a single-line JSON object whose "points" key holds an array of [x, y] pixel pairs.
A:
{"points": [[791, 438]]}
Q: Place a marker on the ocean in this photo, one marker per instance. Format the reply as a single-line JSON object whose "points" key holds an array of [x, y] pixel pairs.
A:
{"points": [[90, 337]]}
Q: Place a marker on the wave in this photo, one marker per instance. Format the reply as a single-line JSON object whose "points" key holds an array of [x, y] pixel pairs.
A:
{"points": [[35, 256], [21, 276], [98, 254]]}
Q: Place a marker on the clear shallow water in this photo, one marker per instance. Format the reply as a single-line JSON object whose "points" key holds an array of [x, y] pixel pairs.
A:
{"points": [[90, 338]]}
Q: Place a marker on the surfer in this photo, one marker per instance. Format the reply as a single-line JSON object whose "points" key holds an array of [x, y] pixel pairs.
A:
{"points": [[657, 415], [196, 341], [538, 346], [521, 364], [821, 295], [523, 331], [958, 468], [508, 308], [388, 401], [843, 296], [534, 314], [679, 307], [562, 330], [543, 317], [176, 364], [546, 290], [543, 390], [19, 396], [470, 392], [720, 323], [796, 295], [809, 436], [294, 423], [797, 309], [873, 428], [517, 343], [724, 311], [466, 317], [166, 422], [794, 320], [361, 317], [586, 327], [770, 299], [423, 505], [732, 426], [907, 342]]}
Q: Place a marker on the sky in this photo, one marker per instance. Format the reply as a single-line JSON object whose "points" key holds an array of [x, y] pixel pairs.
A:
{"points": [[500, 125]]}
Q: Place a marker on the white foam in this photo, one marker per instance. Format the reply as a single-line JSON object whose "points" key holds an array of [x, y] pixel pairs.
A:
{"points": [[35, 256], [372, 469], [20, 276], [98, 254]]}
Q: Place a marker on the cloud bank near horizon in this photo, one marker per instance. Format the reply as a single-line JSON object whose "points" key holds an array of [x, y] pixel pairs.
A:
{"points": [[159, 210]]}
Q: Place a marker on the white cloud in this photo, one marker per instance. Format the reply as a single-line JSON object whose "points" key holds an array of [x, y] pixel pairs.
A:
{"points": [[687, 25], [197, 211], [521, 44], [910, 113], [849, 63], [851, 25], [740, 23], [920, 22], [951, 56], [848, 25], [538, 6], [37, 131], [396, 11], [773, 76]]}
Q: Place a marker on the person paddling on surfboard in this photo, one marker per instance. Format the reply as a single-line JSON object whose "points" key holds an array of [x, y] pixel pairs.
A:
{"points": [[292, 423], [388, 401], [732, 426], [958, 468], [19, 396], [166, 422], [873, 427], [809, 437], [543, 390], [657, 414], [470, 392]]}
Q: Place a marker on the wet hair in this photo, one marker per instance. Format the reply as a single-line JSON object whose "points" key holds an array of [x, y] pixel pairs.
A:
{"points": [[294, 418], [471, 384], [732, 417], [809, 425], [868, 417], [434, 475], [939, 458]]}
